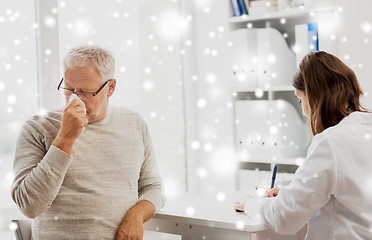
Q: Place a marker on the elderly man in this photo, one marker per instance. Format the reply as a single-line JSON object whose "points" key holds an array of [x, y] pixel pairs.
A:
{"points": [[87, 171]]}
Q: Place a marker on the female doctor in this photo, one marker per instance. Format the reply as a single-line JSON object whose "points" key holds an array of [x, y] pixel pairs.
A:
{"points": [[332, 189]]}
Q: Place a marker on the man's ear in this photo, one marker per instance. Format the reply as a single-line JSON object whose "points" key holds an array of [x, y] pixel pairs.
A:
{"points": [[112, 86]]}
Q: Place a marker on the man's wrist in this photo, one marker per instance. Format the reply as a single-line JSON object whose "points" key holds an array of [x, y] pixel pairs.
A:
{"points": [[137, 214], [64, 144]]}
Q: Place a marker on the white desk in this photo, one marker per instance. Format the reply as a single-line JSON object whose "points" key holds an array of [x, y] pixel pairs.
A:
{"points": [[207, 218]]}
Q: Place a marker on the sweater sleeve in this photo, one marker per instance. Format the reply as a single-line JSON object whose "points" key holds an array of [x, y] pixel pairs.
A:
{"points": [[149, 183], [39, 172], [310, 190]]}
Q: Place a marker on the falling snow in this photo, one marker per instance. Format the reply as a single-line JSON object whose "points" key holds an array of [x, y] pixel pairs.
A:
{"points": [[13, 226], [195, 145], [240, 224], [190, 211], [160, 45]]}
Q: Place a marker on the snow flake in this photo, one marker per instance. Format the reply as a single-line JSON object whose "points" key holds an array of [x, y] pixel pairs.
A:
{"points": [[190, 211], [202, 103], [273, 130], [271, 58], [13, 226], [259, 93], [208, 147], [148, 85], [50, 21], [239, 224], [11, 99], [2, 86], [129, 42], [202, 172], [221, 196]]}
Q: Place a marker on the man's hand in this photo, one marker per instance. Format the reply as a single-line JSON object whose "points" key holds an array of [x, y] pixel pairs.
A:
{"points": [[73, 122], [131, 228]]}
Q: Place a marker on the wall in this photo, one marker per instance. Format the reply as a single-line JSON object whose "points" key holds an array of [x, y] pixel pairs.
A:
{"points": [[355, 41], [211, 141], [18, 87]]}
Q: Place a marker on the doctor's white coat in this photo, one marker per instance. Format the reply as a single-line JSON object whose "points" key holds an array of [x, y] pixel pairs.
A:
{"points": [[332, 189]]}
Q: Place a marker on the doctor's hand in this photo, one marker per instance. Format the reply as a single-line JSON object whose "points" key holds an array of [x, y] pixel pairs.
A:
{"points": [[131, 228], [73, 122], [272, 192], [239, 205]]}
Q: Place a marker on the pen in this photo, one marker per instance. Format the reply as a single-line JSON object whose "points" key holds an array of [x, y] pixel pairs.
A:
{"points": [[274, 176]]}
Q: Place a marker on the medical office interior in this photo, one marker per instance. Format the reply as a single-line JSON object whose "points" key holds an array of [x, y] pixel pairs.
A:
{"points": [[213, 84]]}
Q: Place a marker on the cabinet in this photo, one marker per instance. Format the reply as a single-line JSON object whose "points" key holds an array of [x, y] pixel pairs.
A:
{"points": [[269, 127], [269, 130]]}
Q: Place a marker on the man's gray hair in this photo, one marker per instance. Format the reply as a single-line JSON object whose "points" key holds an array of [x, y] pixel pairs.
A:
{"points": [[101, 58]]}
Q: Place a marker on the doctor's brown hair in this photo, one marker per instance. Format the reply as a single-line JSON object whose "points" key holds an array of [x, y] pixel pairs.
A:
{"points": [[331, 88]]}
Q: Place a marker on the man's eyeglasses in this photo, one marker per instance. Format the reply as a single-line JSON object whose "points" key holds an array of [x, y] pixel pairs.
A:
{"points": [[81, 94]]}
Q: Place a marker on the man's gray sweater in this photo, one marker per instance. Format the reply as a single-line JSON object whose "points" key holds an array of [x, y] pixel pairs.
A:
{"points": [[86, 194]]}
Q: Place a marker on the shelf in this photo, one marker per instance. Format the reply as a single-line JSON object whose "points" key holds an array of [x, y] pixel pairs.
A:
{"points": [[292, 13], [266, 166], [285, 93], [286, 88]]}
